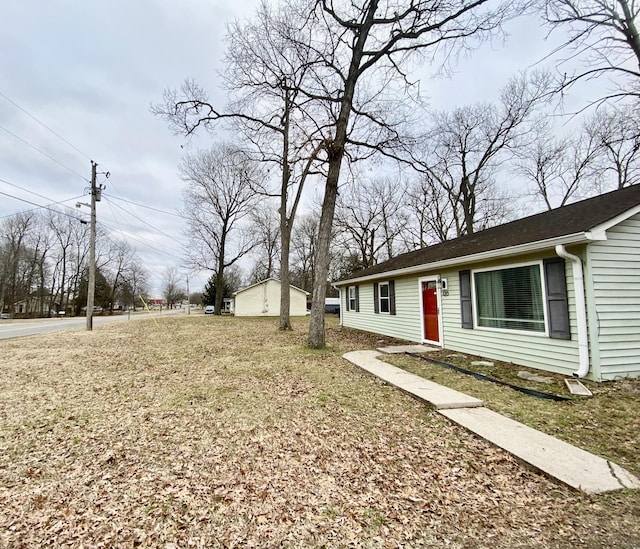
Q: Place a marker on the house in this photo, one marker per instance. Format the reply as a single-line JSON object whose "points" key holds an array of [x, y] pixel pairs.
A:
{"points": [[558, 291], [263, 299], [38, 304]]}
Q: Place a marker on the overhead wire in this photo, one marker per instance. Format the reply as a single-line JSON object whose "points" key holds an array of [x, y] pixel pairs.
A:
{"points": [[142, 221], [32, 192], [44, 125], [40, 206], [44, 153], [128, 236], [118, 229], [144, 206], [125, 234]]}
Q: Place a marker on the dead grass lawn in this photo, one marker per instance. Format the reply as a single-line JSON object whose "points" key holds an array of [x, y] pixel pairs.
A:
{"points": [[223, 432]]}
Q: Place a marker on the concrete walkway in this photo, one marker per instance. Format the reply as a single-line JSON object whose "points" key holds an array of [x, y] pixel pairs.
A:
{"points": [[569, 464]]}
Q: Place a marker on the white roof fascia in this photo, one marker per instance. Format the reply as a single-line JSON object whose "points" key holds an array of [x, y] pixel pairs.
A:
{"points": [[520, 249], [616, 220]]}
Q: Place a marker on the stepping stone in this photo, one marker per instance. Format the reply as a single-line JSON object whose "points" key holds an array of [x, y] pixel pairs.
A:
{"points": [[399, 349], [534, 377]]}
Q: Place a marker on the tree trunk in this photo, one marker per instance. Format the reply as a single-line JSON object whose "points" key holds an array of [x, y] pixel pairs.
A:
{"points": [[285, 224], [335, 152], [316, 338], [219, 289], [285, 294]]}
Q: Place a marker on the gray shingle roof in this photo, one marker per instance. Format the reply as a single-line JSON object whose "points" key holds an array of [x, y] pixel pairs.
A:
{"points": [[574, 218]]}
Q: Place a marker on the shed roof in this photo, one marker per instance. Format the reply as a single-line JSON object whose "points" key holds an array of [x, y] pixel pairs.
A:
{"points": [[575, 221], [267, 280]]}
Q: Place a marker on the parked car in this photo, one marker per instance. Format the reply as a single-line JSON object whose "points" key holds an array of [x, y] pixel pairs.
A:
{"points": [[209, 310], [5, 316], [332, 305]]}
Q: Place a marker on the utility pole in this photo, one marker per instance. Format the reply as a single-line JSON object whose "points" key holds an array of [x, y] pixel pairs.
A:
{"points": [[91, 289]]}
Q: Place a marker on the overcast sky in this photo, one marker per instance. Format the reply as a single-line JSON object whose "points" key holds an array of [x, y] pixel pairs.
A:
{"points": [[90, 70]]}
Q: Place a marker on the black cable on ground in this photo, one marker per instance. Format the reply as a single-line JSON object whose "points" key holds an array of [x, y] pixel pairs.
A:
{"points": [[482, 377]]}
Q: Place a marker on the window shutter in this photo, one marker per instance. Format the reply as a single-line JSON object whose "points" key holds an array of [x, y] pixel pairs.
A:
{"points": [[392, 297], [557, 302], [357, 299], [376, 300], [466, 311]]}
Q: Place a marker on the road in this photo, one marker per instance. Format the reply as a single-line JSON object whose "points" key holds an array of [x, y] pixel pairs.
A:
{"points": [[22, 328]]}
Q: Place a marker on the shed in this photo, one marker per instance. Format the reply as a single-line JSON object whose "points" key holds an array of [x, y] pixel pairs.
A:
{"points": [[263, 299], [558, 291]]}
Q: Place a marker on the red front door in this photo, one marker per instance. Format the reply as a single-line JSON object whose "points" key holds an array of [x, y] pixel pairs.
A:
{"points": [[430, 310]]}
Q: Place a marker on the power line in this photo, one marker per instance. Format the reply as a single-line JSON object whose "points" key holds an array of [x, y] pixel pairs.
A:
{"points": [[40, 206], [44, 153], [144, 206], [33, 192], [119, 230], [142, 221], [44, 125]]}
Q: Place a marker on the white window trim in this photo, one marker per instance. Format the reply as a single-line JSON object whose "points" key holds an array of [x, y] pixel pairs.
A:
{"points": [[380, 298], [355, 299], [507, 330]]}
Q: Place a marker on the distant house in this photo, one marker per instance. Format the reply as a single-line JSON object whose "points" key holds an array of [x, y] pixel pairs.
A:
{"points": [[153, 302], [263, 299], [558, 291], [36, 305]]}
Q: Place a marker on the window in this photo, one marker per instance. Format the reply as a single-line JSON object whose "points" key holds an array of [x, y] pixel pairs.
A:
{"points": [[384, 297], [510, 298], [383, 289], [353, 299]]}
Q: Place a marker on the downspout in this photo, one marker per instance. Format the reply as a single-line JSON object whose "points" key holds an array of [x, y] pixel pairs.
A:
{"points": [[581, 311]]}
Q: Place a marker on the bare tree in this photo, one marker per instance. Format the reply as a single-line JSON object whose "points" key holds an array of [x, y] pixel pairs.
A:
{"points": [[38, 247], [265, 224], [372, 42], [366, 42], [120, 269], [370, 218], [468, 145], [135, 286], [218, 198], [67, 233], [604, 35], [616, 133], [303, 248], [266, 63], [14, 232], [559, 169], [430, 213], [172, 289]]}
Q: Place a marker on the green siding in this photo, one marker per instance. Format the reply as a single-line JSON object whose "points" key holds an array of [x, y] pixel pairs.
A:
{"points": [[405, 324], [612, 284], [520, 348], [614, 267], [535, 351]]}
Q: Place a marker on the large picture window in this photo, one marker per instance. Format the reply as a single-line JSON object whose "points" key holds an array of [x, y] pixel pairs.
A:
{"points": [[511, 298]]}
